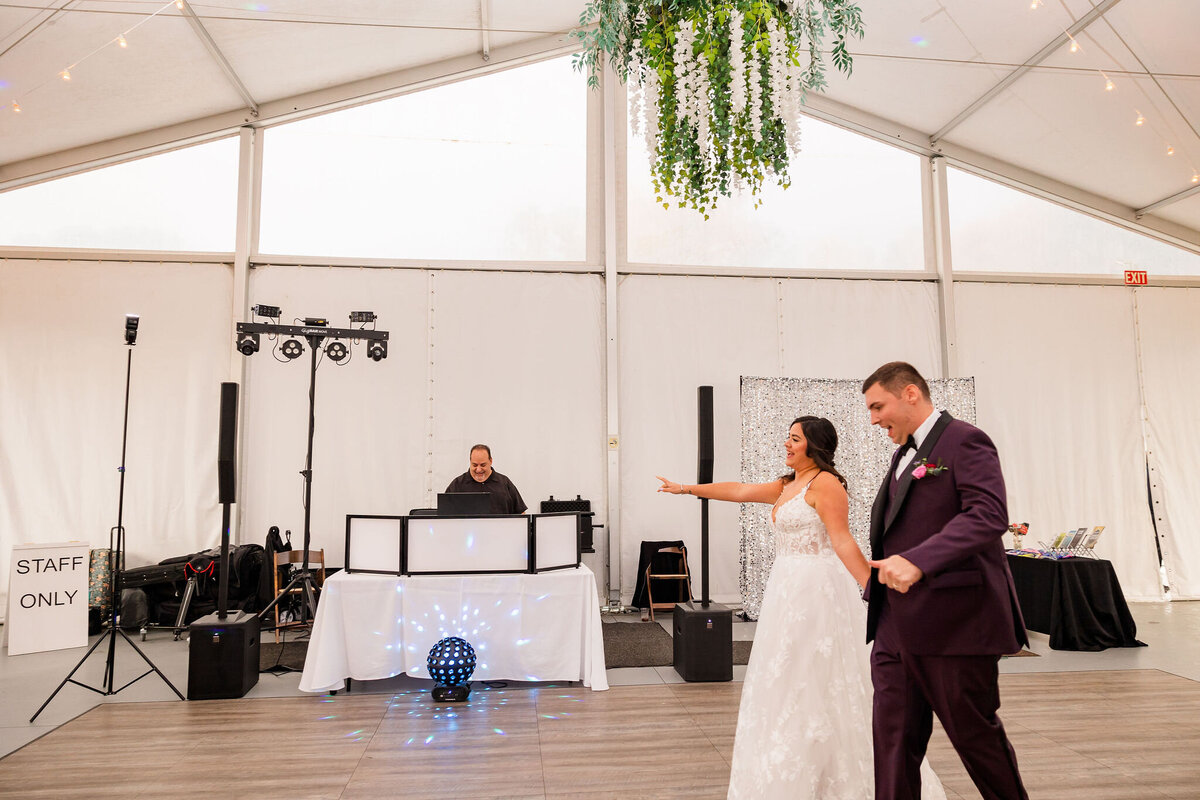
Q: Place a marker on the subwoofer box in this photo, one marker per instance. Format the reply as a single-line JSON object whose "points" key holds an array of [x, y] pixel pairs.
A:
{"points": [[222, 656], [703, 642]]}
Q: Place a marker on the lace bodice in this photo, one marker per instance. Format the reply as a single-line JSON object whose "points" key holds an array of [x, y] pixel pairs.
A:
{"points": [[798, 529]]}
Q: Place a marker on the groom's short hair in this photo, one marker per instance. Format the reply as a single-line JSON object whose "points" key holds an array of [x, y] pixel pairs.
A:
{"points": [[894, 376]]}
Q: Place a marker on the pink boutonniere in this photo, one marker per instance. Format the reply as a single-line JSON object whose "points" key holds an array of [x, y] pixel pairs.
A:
{"points": [[925, 468]]}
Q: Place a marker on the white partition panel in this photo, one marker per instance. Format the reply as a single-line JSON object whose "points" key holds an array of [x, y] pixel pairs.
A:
{"points": [[1169, 330], [374, 545], [1056, 387], [444, 544], [369, 453], [556, 541], [678, 333], [62, 394]]}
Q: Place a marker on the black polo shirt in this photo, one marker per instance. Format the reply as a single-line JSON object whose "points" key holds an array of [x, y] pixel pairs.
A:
{"points": [[505, 497]]}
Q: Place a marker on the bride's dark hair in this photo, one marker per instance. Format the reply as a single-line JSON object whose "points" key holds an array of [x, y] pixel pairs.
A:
{"points": [[822, 441]]}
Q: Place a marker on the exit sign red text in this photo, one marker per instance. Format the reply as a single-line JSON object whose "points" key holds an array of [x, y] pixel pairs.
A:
{"points": [[1135, 277]]}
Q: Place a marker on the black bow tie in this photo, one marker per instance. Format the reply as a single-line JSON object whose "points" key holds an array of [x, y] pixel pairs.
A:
{"points": [[910, 444]]}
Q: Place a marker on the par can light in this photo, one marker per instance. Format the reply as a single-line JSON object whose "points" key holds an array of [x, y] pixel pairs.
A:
{"points": [[336, 351], [292, 348], [376, 350]]}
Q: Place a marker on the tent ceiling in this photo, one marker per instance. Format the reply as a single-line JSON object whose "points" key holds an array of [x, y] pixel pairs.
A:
{"points": [[920, 65]]}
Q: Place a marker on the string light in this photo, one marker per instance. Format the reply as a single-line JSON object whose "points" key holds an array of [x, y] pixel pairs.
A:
{"points": [[120, 40], [1074, 43], [1196, 178], [1170, 150], [1140, 121], [1108, 84], [1033, 4]]}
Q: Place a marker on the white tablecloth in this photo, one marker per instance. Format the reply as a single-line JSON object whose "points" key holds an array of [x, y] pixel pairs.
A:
{"points": [[543, 627]]}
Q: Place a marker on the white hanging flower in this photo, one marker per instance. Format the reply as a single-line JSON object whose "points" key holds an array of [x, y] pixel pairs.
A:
{"points": [[701, 108], [650, 105], [756, 97], [683, 65], [737, 65]]}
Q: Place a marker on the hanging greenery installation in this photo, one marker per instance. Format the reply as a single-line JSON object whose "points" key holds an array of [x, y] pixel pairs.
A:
{"points": [[715, 86]]}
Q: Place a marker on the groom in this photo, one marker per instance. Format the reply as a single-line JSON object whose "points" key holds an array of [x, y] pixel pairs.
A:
{"points": [[944, 609]]}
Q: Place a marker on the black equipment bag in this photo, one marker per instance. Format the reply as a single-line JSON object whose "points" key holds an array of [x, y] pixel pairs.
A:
{"points": [[275, 544], [152, 575], [135, 611], [247, 565]]}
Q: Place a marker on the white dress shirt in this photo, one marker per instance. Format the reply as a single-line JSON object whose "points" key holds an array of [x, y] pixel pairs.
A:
{"points": [[919, 437]]}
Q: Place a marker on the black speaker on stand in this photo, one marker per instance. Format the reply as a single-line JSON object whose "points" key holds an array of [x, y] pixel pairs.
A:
{"points": [[703, 632], [223, 649]]}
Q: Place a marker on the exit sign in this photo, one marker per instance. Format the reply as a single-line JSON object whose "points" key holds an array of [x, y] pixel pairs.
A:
{"points": [[1136, 277]]}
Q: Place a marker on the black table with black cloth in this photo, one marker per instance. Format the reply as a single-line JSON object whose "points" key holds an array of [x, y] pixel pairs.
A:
{"points": [[1077, 601]]}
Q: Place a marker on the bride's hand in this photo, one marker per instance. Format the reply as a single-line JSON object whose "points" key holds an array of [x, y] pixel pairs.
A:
{"points": [[669, 487]]}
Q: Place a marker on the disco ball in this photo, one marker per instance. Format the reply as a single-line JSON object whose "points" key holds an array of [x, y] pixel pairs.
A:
{"points": [[451, 662]]}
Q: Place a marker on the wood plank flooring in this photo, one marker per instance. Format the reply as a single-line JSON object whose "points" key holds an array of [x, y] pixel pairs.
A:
{"points": [[1132, 735]]}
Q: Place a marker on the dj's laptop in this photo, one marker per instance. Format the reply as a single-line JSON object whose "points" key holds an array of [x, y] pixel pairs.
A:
{"points": [[464, 504]]}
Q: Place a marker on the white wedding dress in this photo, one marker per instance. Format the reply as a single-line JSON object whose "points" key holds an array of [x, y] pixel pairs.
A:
{"points": [[804, 726]]}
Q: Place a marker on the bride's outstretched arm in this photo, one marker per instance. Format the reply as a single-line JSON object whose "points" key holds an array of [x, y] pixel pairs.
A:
{"points": [[734, 492], [832, 505]]}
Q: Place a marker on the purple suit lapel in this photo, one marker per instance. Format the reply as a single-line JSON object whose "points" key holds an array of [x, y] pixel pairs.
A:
{"points": [[906, 479]]}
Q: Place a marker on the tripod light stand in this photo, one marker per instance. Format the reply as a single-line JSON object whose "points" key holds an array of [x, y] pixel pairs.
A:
{"points": [[116, 556], [315, 330]]}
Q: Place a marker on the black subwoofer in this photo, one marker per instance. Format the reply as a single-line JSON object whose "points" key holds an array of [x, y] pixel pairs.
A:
{"points": [[222, 656], [703, 642]]}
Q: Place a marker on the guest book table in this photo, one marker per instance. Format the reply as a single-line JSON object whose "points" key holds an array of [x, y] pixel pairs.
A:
{"points": [[1077, 601]]}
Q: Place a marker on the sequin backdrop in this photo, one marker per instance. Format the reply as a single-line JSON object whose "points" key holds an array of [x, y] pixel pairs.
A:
{"points": [[768, 407]]}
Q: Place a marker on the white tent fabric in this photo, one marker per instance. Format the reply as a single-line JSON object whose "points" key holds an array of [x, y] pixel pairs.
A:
{"points": [[516, 360], [62, 394], [1168, 329], [512, 360], [678, 333], [1056, 384]]}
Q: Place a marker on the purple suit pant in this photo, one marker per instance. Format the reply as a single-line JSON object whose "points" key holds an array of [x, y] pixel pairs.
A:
{"points": [[963, 692]]}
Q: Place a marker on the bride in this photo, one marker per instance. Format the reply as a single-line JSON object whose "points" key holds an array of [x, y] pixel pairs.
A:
{"points": [[804, 725]]}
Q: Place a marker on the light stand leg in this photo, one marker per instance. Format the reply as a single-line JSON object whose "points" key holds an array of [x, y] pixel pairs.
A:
{"points": [[117, 562]]}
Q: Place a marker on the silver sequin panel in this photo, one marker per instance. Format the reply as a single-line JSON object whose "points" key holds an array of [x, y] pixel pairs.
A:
{"points": [[768, 407]]}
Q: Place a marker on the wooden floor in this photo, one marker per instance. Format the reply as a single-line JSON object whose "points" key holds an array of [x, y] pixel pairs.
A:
{"points": [[1087, 735]]}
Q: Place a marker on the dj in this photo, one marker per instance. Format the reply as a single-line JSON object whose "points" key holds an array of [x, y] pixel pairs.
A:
{"points": [[482, 478]]}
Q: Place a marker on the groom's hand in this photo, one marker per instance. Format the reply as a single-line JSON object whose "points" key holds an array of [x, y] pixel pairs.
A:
{"points": [[897, 572]]}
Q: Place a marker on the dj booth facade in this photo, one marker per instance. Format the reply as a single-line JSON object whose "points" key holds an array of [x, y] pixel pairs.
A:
{"points": [[512, 586]]}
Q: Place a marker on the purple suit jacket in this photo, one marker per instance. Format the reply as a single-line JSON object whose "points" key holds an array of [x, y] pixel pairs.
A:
{"points": [[950, 525]]}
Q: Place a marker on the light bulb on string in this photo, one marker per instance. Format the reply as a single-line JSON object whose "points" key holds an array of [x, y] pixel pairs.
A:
{"points": [[1109, 85], [16, 107], [1195, 177], [179, 4], [1170, 150], [1033, 4], [1074, 44], [1140, 121], [65, 74], [121, 41]]}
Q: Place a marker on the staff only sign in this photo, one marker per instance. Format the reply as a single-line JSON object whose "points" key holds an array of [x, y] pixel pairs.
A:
{"points": [[47, 597]]}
